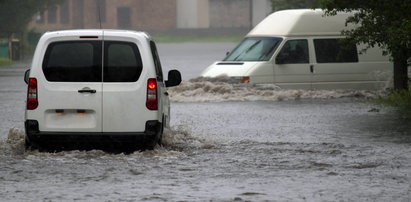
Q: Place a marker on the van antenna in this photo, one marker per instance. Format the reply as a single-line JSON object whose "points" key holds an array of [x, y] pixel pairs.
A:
{"points": [[99, 12]]}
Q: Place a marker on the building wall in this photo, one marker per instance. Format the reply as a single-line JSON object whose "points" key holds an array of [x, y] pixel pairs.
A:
{"points": [[229, 13], [238, 13], [155, 14], [152, 14], [204, 13], [260, 10], [135, 14], [193, 14]]}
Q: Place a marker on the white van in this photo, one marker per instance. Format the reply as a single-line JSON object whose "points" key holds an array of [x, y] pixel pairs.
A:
{"points": [[303, 49], [96, 87]]}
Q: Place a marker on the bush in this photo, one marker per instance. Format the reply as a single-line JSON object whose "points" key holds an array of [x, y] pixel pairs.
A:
{"points": [[401, 100], [5, 62]]}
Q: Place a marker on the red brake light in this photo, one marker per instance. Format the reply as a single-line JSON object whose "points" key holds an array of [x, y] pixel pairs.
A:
{"points": [[152, 101], [152, 85], [32, 99], [88, 37]]}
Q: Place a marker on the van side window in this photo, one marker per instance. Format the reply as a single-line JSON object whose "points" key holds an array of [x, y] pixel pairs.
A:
{"points": [[122, 62], [73, 61], [294, 52], [335, 51], [159, 71]]}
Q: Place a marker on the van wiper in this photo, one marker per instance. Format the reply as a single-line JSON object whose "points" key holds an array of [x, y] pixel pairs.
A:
{"points": [[248, 49], [263, 56], [252, 46]]}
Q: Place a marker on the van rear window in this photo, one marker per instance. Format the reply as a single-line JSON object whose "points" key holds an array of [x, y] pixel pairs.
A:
{"points": [[71, 61], [122, 62], [81, 61], [335, 51]]}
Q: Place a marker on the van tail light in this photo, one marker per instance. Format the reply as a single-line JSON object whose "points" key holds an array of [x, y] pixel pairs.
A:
{"points": [[32, 99], [152, 101]]}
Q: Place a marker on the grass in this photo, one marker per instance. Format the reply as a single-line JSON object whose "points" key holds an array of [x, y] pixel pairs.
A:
{"points": [[5, 62], [177, 39], [400, 100]]}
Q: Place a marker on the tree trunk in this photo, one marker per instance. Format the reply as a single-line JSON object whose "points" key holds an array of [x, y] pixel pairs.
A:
{"points": [[400, 71]]}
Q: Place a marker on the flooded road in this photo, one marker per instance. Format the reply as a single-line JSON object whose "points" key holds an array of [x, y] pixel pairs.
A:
{"points": [[225, 144]]}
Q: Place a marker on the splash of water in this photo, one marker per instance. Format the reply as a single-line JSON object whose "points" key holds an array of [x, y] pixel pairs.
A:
{"points": [[14, 143], [385, 76], [180, 138], [226, 89], [175, 141]]}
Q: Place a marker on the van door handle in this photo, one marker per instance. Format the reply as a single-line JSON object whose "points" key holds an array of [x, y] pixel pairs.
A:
{"points": [[87, 91], [312, 68]]}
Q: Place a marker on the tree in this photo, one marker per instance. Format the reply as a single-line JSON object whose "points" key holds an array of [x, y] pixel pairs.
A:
{"points": [[293, 4], [384, 23], [16, 14]]}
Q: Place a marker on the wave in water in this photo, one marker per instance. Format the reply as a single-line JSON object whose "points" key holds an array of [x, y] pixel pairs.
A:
{"points": [[226, 89], [14, 144], [176, 140]]}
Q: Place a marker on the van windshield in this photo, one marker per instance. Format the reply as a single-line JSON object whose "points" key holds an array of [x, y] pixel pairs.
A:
{"points": [[254, 49]]}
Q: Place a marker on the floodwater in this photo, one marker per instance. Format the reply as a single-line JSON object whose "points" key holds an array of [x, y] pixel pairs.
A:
{"points": [[228, 142]]}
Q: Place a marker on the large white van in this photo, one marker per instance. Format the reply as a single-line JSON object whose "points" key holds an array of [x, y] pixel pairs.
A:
{"points": [[303, 49], [96, 87]]}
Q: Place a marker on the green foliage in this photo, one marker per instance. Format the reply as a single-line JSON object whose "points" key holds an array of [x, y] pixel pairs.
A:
{"points": [[16, 14], [401, 100], [383, 23], [33, 38], [294, 4], [5, 62]]}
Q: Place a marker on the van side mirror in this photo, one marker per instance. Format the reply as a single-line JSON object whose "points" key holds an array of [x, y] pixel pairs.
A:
{"points": [[26, 76], [174, 78]]}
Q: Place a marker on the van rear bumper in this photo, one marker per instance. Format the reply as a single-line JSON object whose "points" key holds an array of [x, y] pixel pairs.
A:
{"points": [[109, 141]]}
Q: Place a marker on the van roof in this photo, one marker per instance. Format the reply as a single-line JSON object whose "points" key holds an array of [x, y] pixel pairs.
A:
{"points": [[95, 32], [300, 22]]}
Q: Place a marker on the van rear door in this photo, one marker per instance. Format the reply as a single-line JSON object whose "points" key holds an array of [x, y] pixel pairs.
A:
{"points": [[70, 88], [124, 97]]}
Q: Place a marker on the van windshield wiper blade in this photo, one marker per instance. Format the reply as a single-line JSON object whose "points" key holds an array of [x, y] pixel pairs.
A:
{"points": [[248, 50], [252, 46], [268, 52]]}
